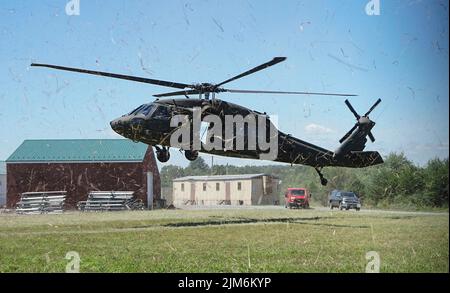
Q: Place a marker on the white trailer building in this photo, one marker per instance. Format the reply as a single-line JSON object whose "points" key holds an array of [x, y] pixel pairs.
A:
{"points": [[247, 189]]}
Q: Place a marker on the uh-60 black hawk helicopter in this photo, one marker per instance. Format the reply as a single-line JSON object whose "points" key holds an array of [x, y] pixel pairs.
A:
{"points": [[150, 124]]}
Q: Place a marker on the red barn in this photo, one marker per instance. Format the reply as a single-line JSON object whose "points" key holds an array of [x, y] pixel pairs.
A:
{"points": [[79, 166]]}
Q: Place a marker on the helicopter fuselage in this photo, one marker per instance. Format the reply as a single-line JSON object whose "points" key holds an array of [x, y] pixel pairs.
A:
{"points": [[151, 124]]}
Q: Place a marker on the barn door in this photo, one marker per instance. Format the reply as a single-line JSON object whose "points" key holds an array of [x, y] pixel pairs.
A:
{"points": [[227, 193]]}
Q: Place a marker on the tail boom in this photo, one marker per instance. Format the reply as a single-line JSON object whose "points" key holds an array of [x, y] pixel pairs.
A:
{"points": [[358, 159]]}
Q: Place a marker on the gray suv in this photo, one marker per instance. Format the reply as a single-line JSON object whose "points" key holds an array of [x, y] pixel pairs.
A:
{"points": [[344, 200]]}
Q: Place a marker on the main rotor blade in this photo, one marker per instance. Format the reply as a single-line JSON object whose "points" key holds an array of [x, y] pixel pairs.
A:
{"points": [[120, 76], [373, 107], [348, 133], [179, 93], [282, 92], [372, 138], [253, 70], [352, 109]]}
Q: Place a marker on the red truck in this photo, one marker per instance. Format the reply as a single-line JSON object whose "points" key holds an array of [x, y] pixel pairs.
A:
{"points": [[297, 198]]}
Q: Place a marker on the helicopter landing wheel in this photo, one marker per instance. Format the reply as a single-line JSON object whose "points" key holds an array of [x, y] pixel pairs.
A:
{"points": [[163, 155], [323, 180], [191, 155]]}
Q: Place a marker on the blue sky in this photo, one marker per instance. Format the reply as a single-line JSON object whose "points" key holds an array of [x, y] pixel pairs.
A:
{"points": [[400, 56]]}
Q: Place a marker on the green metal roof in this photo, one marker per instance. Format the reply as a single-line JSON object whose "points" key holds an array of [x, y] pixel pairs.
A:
{"points": [[79, 150]]}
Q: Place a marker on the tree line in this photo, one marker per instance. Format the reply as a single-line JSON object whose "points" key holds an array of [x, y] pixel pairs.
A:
{"points": [[398, 183]]}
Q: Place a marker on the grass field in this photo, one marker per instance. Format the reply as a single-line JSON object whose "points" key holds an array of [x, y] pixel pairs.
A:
{"points": [[226, 240]]}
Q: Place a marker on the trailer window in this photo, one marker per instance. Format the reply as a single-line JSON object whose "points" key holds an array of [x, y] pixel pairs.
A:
{"points": [[182, 186], [204, 186], [239, 187], [217, 186]]}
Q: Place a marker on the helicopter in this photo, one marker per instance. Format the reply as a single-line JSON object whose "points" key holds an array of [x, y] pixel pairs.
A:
{"points": [[152, 124]]}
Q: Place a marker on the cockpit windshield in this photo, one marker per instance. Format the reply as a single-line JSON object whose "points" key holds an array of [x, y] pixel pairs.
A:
{"points": [[137, 109], [145, 110]]}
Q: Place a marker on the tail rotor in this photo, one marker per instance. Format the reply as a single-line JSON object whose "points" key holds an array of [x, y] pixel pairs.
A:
{"points": [[360, 120]]}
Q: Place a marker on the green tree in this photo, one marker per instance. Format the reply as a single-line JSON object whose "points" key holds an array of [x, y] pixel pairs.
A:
{"points": [[436, 182], [170, 172], [197, 167]]}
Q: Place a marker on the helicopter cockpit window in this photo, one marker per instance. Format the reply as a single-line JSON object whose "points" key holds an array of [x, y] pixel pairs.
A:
{"points": [[148, 109], [161, 113], [136, 110]]}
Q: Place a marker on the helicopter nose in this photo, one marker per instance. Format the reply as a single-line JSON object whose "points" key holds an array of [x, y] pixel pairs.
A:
{"points": [[136, 123], [117, 125]]}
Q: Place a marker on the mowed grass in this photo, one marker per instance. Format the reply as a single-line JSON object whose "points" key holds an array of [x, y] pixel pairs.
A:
{"points": [[225, 240]]}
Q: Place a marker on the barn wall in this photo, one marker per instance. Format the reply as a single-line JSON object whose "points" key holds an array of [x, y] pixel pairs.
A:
{"points": [[78, 179]]}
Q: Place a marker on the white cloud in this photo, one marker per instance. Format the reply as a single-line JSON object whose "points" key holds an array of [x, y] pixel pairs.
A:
{"points": [[313, 128]]}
